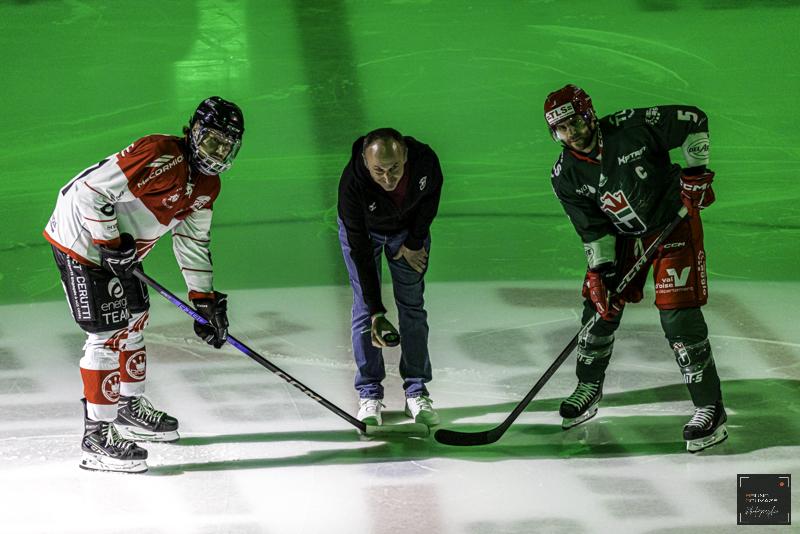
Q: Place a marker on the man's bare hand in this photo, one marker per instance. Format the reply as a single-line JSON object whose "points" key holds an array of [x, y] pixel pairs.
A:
{"points": [[417, 259]]}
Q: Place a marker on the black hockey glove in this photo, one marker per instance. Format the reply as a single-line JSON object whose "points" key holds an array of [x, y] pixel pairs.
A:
{"points": [[216, 312], [122, 260]]}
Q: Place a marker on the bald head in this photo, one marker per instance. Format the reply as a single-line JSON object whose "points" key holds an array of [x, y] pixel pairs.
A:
{"points": [[385, 155]]}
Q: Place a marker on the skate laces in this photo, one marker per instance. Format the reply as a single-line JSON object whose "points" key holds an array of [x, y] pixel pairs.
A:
{"points": [[144, 409], [583, 393], [114, 439], [703, 416]]}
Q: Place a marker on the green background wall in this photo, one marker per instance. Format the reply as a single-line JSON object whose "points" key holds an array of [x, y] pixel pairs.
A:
{"points": [[81, 80]]}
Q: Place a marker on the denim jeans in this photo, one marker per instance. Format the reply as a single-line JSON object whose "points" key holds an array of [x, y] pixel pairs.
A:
{"points": [[409, 286]]}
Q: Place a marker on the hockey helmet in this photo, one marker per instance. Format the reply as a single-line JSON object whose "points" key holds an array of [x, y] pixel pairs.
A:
{"points": [[215, 135], [562, 104]]}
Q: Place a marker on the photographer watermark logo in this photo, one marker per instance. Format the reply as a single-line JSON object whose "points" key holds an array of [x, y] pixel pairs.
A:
{"points": [[764, 500]]}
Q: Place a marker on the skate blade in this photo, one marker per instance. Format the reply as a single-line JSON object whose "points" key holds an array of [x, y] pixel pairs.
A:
{"points": [[697, 445], [566, 423], [133, 433], [95, 462]]}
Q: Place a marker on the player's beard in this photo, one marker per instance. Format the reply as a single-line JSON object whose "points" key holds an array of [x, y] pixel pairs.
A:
{"points": [[582, 143]]}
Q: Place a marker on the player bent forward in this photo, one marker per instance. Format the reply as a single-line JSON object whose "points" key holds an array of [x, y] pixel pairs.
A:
{"points": [[619, 188], [105, 222]]}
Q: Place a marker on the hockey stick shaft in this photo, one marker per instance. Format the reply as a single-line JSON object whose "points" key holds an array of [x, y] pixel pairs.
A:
{"points": [[451, 437], [253, 355]]}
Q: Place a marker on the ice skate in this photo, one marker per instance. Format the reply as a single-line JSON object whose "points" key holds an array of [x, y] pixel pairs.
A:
{"points": [[421, 410], [369, 411], [137, 420], [706, 428], [105, 450], [581, 405]]}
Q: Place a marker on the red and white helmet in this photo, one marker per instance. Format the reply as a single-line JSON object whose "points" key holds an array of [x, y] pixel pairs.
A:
{"points": [[568, 101]]}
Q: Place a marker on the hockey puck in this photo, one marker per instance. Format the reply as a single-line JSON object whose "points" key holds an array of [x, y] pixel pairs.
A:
{"points": [[391, 339]]}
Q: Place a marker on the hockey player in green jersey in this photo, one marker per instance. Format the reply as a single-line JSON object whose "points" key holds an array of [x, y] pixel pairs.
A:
{"points": [[619, 188]]}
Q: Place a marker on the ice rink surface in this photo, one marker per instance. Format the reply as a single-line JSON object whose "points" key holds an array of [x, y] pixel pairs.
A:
{"points": [[82, 79], [258, 456]]}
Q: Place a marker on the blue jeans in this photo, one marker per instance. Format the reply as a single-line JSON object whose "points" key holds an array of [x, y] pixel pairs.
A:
{"points": [[409, 286]]}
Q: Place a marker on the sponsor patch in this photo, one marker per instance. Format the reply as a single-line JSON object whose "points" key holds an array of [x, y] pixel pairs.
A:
{"points": [[557, 115]]}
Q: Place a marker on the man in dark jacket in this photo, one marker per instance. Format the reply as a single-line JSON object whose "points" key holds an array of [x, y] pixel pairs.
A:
{"points": [[617, 184], [388, 197]]}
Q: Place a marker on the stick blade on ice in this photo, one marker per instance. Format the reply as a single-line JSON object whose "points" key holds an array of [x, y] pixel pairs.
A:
{"points": [[466, 439]]}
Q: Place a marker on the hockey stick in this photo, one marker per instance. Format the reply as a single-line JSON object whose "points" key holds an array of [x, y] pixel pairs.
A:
{"points": [[369, 430], [485, 437]]}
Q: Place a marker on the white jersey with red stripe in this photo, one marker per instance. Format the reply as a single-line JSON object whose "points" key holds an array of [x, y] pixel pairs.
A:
{"points": [[146, 190]]}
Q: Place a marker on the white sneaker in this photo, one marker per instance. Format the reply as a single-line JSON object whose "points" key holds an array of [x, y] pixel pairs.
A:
{"points": [[421, 410], [369, 411]]}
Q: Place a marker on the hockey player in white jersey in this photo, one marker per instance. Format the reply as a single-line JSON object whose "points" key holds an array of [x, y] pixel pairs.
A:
{"points": [[105, 222]]}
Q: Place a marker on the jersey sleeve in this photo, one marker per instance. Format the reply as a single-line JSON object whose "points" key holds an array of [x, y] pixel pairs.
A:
{"points": [[96, 194], [590, 223], [190, 243], [682, 126]]}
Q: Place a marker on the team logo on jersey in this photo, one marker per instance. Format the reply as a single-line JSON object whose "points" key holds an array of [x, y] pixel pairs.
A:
{"points": [[199, 202], [110, 387], [617, 207], [136, 366], [160, 165], [423, 182], [621, 116], [169, 202], [652, 116]]}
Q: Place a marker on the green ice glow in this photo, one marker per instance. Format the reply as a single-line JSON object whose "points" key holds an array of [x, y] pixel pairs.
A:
{"points": [[82, 80]]}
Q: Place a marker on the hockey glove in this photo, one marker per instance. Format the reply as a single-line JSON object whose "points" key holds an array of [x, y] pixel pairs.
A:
{"points": [[595, 288], [696, 192], [121, 260], [215, 310]]}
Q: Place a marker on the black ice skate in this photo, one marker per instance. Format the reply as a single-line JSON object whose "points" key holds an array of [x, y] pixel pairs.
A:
{"points": [[581, 405], [706, 428], [105, 450], [137, 420]]}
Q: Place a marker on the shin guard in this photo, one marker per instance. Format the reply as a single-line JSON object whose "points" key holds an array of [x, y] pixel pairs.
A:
{"points": [[594, 355], [699, 371]]}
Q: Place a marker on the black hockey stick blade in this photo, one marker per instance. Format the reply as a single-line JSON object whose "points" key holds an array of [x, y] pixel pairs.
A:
{"points": [[485, 437], [466, 439]]}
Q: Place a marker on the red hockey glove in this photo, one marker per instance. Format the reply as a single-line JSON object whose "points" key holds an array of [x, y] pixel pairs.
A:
{"points": [[595, 288], [696, 192]]}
